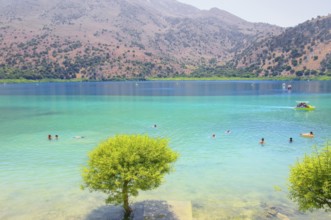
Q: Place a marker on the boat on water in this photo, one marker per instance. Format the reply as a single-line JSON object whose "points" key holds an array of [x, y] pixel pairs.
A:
{"points": [[304, 105]]}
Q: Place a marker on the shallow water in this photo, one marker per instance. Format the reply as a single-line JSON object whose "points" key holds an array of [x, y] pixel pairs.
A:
{"points": [[230, 176]]}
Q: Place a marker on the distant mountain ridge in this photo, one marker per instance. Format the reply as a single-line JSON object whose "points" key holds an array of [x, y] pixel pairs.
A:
{"points": [[301, 50], [115, 39]]}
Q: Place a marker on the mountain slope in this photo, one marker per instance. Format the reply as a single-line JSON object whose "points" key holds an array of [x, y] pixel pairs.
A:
{"points": [[304, 49], [118, 38]]}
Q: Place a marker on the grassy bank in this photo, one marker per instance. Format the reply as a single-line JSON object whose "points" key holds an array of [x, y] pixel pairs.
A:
{"points": [[39, 81], [281, 78]]}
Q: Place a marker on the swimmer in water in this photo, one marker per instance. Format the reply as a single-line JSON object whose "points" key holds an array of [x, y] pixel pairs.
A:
{"points": [[262, 141], [310, 134]]}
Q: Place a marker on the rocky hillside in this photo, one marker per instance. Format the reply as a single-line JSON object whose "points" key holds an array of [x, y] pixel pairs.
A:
{"points": [[301, 50], [109, 39]]}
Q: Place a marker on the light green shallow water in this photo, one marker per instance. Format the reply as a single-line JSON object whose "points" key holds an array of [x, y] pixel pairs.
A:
{"points": [[227, 177]]}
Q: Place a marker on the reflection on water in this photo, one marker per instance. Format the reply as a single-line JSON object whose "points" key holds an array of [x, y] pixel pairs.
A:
{"points": [[166, 88]]}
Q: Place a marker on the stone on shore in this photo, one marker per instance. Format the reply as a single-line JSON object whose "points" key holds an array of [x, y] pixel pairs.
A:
{"points": [[146, 210]]}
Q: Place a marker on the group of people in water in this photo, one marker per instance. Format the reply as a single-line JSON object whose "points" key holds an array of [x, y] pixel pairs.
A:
{"points": [[57, 137], [50, 137], [310, 134], [262, 141], [227, 132]]}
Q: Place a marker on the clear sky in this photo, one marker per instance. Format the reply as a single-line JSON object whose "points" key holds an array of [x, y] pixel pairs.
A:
{"points": [[285, 13]]}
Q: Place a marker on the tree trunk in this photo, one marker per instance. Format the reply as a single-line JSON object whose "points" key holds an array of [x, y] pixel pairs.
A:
{"points": [[125, 195]]}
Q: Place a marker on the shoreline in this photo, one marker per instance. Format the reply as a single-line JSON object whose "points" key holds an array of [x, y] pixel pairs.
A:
{"points": [[319, 78]]}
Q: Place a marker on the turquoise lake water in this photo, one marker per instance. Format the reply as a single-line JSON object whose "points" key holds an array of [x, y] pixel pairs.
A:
{"points": [[230, 176]]}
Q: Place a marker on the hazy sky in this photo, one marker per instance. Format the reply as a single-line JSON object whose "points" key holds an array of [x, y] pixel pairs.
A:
{"points": [[285, 13]]}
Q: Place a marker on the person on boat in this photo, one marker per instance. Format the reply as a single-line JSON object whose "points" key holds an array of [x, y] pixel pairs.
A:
{"points": [[262, 141], [302, 105]]}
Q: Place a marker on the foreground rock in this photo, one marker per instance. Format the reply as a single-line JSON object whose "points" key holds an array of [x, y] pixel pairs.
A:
{"points": [[147, 210]]}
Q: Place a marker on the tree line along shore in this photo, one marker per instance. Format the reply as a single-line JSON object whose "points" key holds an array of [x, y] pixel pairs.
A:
{"points": [[180, 78]]}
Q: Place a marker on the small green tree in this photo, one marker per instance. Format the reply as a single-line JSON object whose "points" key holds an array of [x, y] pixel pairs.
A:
{"points": [[124, 164], [310, 181]]}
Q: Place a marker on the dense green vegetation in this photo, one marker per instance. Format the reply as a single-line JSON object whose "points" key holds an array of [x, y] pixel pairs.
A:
{"points": [[125, 164], [228, 73], [175, 78], [222, 71], [283, 78], [310, 181]]}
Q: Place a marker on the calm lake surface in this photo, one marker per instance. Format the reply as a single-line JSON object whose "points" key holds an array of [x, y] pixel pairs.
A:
{"points": [[230, 176]]}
